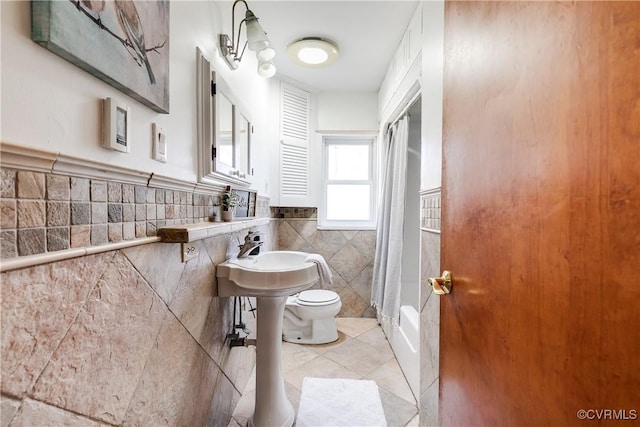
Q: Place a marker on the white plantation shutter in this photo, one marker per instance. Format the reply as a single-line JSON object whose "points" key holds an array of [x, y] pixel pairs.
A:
{"points": [[293, 178], [294, 146], [295, 113]]}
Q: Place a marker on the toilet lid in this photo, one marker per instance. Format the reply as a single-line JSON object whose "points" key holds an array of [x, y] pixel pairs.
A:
{"points": [[317, 297]]}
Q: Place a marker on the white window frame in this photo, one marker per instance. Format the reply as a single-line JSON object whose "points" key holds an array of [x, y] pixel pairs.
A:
{"points": [[361, 139]]}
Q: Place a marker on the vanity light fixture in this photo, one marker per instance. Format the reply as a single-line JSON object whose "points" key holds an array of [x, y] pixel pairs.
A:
{"points": [[257, 41], [313, 52]]}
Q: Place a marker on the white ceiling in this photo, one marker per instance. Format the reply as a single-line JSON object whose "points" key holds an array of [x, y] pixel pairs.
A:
{"points": [[366, 32]]}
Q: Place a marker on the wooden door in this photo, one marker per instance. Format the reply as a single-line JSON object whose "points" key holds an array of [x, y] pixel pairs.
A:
{"points": [[541, 214]]}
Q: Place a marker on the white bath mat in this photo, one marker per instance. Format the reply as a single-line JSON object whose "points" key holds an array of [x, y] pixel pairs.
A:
{"points": [[330, 402]]}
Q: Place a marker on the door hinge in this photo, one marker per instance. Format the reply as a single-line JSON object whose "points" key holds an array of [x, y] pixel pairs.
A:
{"points": [[213, 153], [213, 88]]}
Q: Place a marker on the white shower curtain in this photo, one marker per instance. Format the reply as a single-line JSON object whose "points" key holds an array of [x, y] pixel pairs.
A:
{"points": [[387, 267]]}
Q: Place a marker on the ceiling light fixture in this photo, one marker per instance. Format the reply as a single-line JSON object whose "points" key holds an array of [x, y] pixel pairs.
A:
{"points": [[257, 41], [313, 52]]}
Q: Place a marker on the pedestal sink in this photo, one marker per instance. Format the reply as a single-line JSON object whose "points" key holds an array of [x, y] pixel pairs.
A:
{"points": [[270, 277]]}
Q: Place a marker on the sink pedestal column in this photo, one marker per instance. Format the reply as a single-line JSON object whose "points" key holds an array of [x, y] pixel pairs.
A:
{"points": [[272, 409]]}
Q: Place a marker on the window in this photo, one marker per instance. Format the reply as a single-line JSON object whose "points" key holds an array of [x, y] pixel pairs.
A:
{"points": [[348, 199]]}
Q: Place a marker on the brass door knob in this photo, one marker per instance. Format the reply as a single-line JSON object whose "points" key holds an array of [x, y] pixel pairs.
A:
{"points": [[441, 285]]}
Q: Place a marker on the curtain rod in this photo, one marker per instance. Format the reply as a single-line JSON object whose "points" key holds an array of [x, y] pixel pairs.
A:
{"points": [[400, 117], [404, 111]]}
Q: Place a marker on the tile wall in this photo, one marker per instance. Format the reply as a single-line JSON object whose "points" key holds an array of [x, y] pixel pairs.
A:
{"points": [[430, 211], [429, 308], [125, 337], [129, 337], [349, 253], [43, 212]]}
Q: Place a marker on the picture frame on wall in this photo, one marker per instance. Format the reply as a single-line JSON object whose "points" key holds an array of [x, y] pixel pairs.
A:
{"points": [[246, 207], [122, 42]]}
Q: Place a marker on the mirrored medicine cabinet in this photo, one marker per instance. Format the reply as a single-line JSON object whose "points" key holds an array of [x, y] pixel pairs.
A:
{"points": [[224, 129]]}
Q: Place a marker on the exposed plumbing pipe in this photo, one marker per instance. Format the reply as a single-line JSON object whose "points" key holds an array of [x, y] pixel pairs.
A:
{"points": [[242, 342]]}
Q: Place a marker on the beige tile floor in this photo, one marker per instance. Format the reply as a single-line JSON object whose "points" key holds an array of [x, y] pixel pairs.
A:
{"points": [[361, 352]]}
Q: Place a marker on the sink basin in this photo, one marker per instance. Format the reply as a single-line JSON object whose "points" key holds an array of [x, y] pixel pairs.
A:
{"points": [[270, 277], [270, 274]]}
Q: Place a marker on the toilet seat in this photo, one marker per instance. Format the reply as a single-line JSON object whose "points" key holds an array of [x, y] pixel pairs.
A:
{"points": [[317, 297]]}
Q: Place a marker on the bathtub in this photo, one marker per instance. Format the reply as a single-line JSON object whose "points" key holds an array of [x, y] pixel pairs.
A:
{"points": [[405, 342]]}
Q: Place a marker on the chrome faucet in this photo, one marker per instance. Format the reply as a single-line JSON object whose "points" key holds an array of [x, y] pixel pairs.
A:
{"points": [[249, 244]]}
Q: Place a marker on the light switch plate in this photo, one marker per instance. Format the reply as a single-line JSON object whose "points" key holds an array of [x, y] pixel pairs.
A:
{"points": [[159, 143], [189, 251]]}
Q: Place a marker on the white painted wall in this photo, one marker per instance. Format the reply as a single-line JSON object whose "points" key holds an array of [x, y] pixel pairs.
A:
{"points": [[432, 93], [49, 103], [348, 111]]}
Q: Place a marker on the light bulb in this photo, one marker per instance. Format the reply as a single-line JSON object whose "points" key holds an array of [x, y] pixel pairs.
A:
{"points": [[266, 54], [312, 52], [256, 37], [313, 55], [266, 69]]}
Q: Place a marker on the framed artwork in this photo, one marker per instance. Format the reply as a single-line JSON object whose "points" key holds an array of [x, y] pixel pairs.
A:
{"points": [[123, 42], [246, 204]]}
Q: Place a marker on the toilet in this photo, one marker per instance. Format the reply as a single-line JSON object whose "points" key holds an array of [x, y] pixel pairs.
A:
{"points": [[309, 317]]}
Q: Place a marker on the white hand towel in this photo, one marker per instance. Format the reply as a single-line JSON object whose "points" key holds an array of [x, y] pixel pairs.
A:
{"points": [[324, 272]]}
